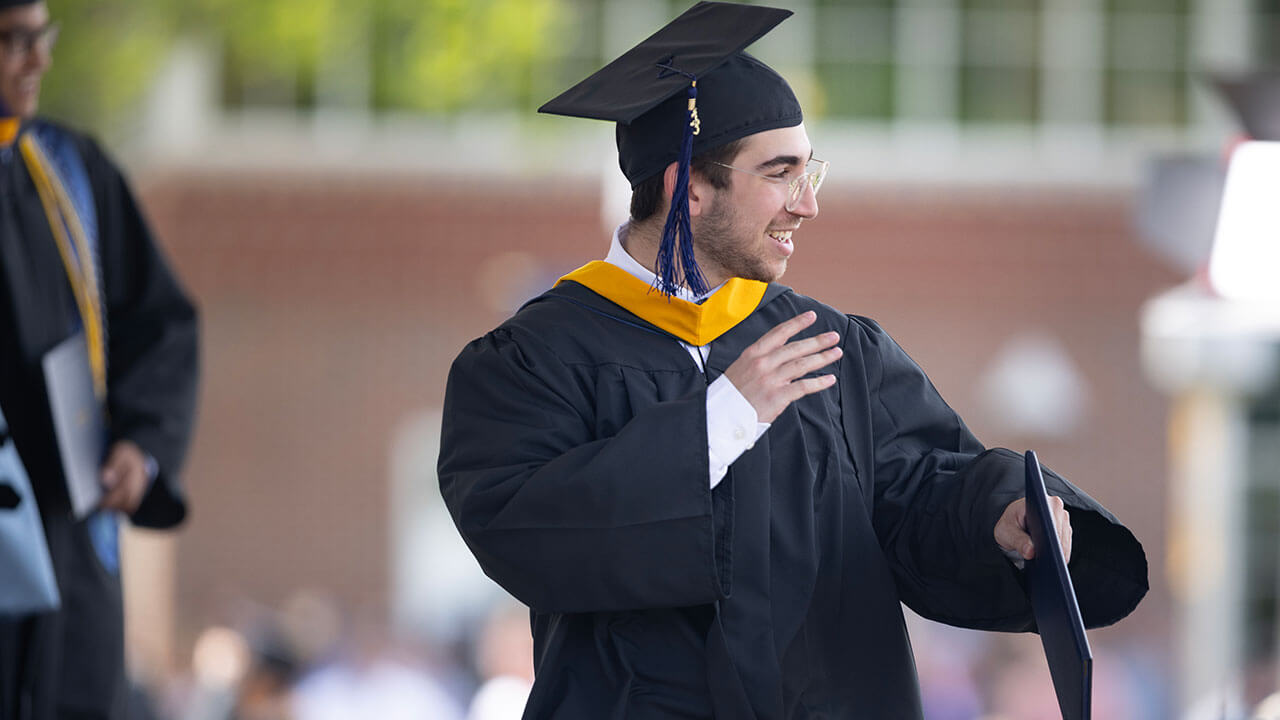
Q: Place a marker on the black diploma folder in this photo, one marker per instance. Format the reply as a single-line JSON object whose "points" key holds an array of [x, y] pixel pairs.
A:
{"points": [[1053, 600], [79, 421]]}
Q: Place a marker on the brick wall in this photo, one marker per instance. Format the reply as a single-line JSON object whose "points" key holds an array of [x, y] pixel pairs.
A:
{"points": [[332, 308]]}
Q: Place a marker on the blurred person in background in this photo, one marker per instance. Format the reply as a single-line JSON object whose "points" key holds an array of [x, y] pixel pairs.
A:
{"points": [[650, 456], [77, 256], [504, 657], [265, 691], [1022, 689], [369, 675]]}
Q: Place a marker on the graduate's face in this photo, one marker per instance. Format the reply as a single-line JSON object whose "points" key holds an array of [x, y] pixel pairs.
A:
{"points": [[24, 57], [745, 230]]}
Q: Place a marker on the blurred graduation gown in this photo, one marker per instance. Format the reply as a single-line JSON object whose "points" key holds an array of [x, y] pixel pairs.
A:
{"points": [[77, 653], [574, 461]]}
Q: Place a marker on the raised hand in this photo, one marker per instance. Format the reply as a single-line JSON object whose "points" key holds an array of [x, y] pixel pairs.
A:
{"points": [[770, 372]]}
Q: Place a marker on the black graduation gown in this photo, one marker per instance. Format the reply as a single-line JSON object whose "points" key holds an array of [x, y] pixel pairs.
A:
{"points": [[574, 462], [74, 658]]}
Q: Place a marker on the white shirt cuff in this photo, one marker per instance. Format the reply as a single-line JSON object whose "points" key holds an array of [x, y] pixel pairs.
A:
{"points": [[732, 427]]}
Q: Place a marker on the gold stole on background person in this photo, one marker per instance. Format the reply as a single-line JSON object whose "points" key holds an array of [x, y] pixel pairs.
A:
{"points": [[74, 248]]}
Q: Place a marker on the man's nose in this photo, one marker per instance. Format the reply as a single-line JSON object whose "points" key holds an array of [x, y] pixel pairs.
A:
{"points": [[807, 203]]}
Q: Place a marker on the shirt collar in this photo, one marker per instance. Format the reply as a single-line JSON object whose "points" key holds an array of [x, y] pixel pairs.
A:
{"points": [[619, 256]]}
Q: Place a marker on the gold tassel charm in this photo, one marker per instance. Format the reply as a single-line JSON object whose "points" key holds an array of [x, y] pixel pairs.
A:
{"points": [[694, 122]]}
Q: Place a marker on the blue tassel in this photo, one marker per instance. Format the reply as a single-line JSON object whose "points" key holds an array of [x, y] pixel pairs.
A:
{"points": [[677, 234]]}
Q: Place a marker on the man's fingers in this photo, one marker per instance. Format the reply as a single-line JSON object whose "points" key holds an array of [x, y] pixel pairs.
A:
{"points": [[1061, 524], [124, 477], [808, 386], [1017, 541], [1011, 528], [116, 497], [807, 364], [1011, 532], [784, 331], [1064, 535], [112, 471], [125, 496], [765, 372], [805, 347]]}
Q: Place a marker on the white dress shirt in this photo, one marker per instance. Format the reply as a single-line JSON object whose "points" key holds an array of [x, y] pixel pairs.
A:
{"points": [[732, 424]]}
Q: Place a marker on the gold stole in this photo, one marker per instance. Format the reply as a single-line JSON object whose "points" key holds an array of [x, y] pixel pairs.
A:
{"points": [[79, 263], [693, 323]]}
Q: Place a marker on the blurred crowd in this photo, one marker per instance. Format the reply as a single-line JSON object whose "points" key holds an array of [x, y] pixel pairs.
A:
{"points": [[309, 659]]}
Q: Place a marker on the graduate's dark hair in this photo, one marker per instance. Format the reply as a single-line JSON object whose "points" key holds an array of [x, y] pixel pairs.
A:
{"points": [[646, 198]]}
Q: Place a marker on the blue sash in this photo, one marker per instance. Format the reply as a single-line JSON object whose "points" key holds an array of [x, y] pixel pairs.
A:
{"points": [[61, 149]]}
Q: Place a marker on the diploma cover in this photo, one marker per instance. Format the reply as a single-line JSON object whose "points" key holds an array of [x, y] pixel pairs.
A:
{"points": [[79, 421], [1053, 599]]}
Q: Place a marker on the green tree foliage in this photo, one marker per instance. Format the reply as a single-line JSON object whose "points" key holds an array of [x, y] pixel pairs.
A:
{"points": [[435, 56], [107, 53], [448, 55]]}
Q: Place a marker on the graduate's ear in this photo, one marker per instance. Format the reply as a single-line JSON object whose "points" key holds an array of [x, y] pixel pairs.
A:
{"points": [[699, 192], [699, 188], [669, 182]]}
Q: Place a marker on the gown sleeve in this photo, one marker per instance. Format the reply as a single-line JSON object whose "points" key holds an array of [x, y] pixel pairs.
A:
{"points": [[567, 521], [152, 342], [938, 495]]}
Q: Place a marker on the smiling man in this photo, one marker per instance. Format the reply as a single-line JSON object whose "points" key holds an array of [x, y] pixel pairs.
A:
{"points": [[713, 492], [28, 38], [77, 259]]}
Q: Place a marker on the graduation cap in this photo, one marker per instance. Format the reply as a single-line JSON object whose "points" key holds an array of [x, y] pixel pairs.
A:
{"points": [[6, 4], [1255, 98], [686, 89]]}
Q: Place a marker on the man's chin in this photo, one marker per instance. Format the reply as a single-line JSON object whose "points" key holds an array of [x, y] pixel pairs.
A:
{"points": [[24, 110], [775, 273], [766, 275]]}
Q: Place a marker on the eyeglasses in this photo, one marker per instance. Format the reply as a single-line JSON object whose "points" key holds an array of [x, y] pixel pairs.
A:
{"points": [[815, 171], [17, 43]]}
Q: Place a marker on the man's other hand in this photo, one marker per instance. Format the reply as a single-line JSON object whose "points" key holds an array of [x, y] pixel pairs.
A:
{"points": [[1011, 528], [770, 372], [124, 477]]}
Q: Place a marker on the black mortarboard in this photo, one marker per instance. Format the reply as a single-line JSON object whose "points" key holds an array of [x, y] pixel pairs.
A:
{"points": [[686, 89], [6, 4], [1255, 98]]}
